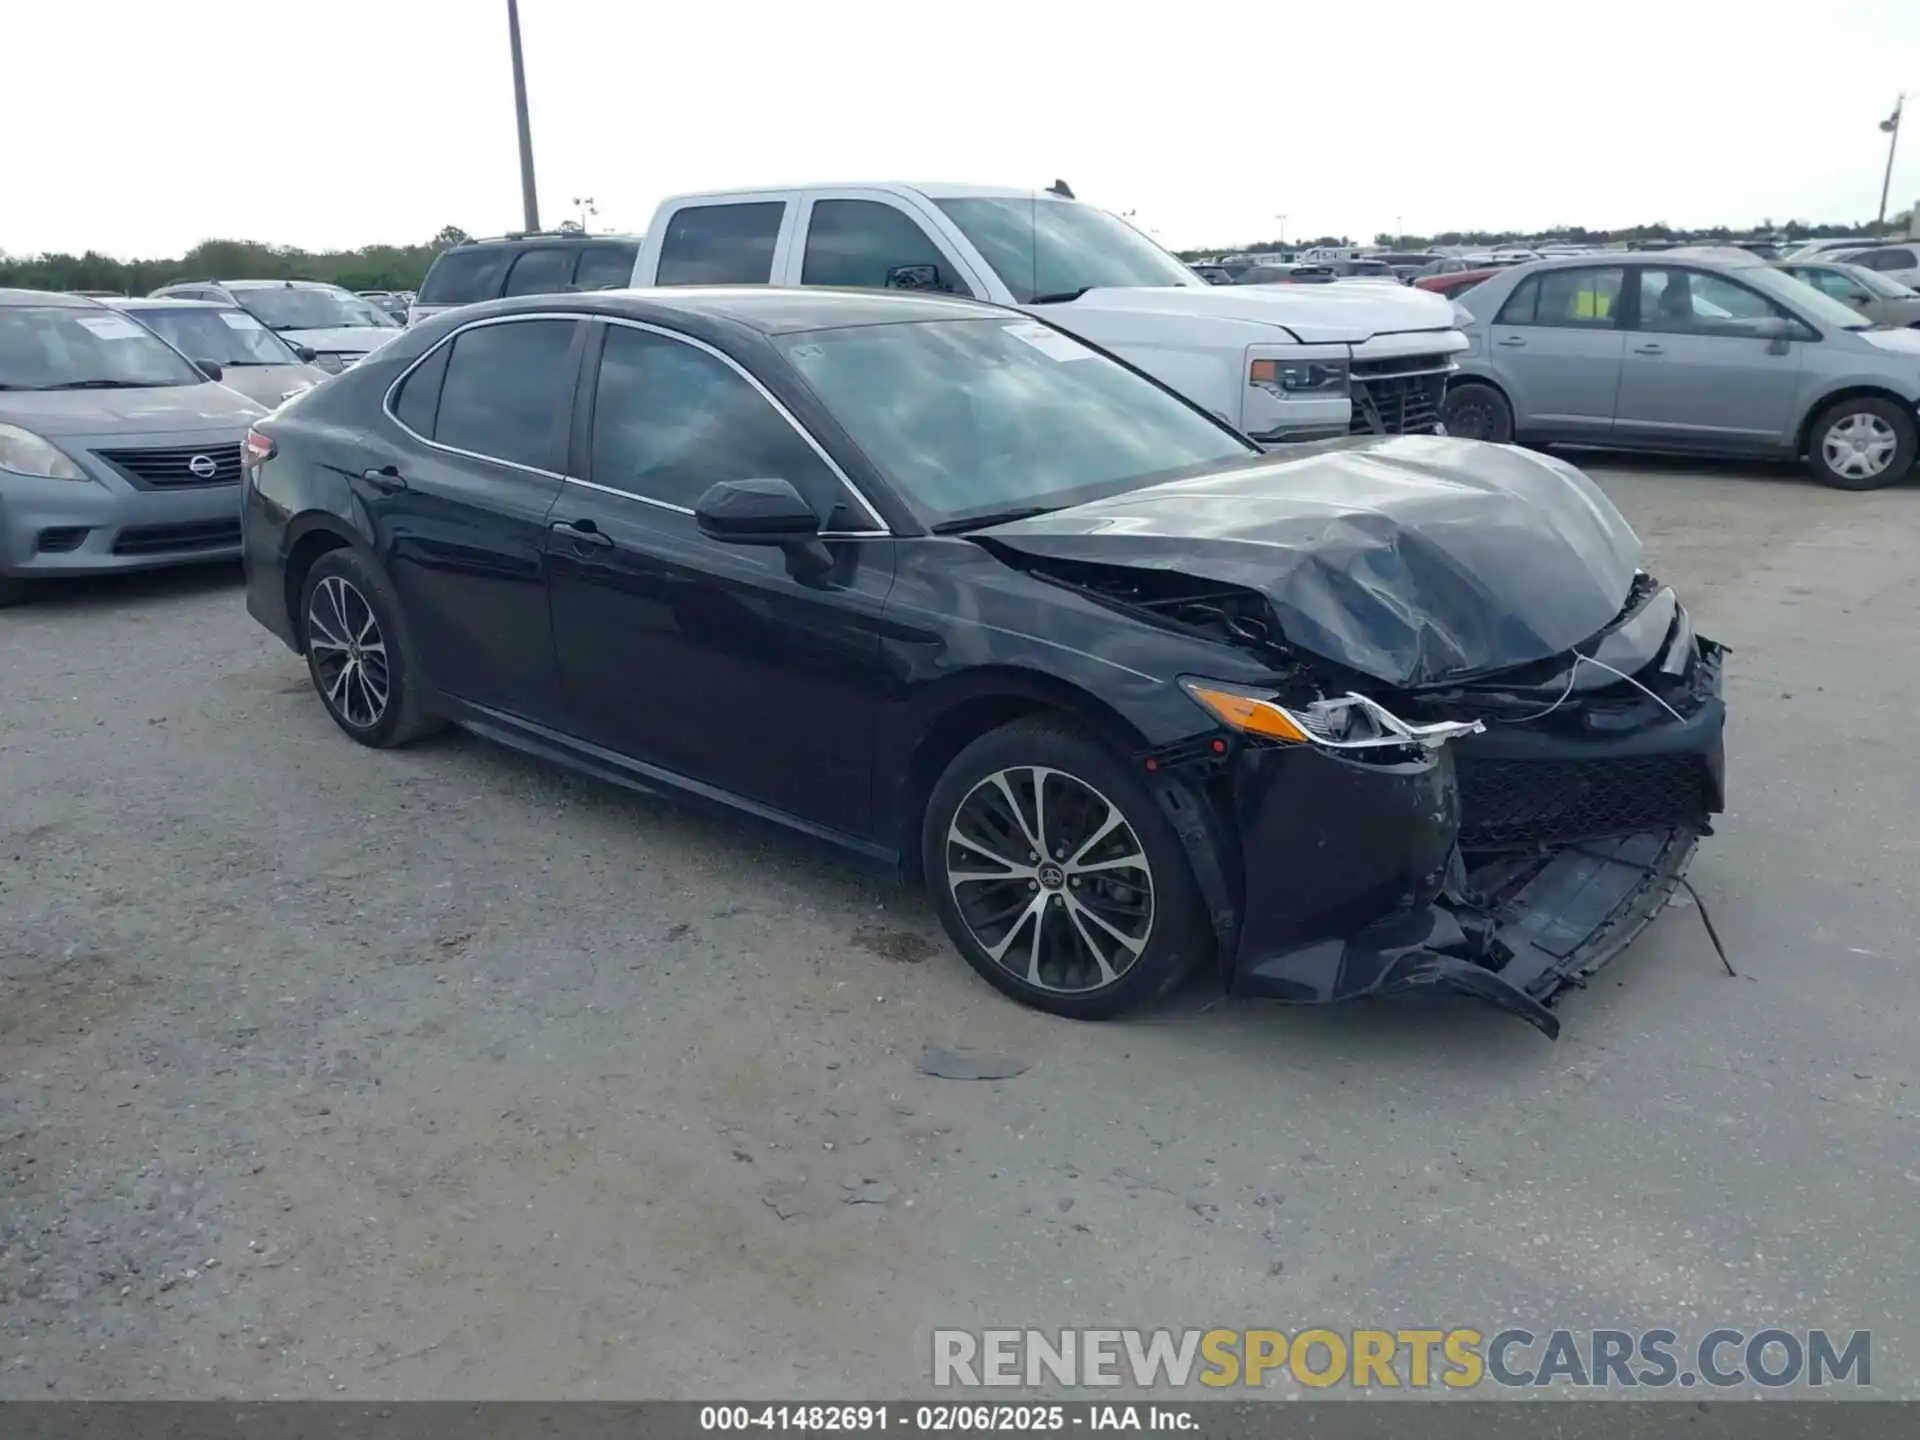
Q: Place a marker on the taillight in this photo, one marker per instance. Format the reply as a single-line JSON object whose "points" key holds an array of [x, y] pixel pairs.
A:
{"points": [[257, 450]]}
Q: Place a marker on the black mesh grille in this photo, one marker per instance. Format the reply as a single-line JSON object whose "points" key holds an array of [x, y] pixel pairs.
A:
{"points": [[177, 466], [1515, 802], [1409, 405], [165, 539]]}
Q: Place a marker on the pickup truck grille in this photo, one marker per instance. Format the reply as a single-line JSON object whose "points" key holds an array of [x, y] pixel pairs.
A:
{"points": [[1399, 396]]}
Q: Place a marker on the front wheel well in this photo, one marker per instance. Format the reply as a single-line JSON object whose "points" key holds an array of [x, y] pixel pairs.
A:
{"points": [[301, 559], [959, 725], [1827, 402]]}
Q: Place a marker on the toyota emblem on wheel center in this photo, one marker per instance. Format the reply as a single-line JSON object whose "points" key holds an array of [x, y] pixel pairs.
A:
{"points": [[203, 467]]}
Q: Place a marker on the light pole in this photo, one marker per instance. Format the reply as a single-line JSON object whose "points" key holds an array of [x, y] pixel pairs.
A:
{"points": [[1891, 126], [584, 204], [529, 201], [1283, 230]]}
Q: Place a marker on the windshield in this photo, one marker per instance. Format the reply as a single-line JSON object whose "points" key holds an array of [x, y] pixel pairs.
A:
{"points": [[1879, 286], [1815, 304], [69, 348], [978, 418], [1060, 247], [303, 307], [226, 337]]}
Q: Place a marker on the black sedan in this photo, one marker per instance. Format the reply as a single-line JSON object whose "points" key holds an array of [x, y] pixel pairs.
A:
{"points": [[945, 586]]}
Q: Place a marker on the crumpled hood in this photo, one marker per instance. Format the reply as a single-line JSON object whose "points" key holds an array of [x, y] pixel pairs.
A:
{"points": [[1345, 312], [343, 339], [133, 411], [1414, 559]]}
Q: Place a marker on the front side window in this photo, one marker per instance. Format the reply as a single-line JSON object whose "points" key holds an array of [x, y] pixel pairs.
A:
{"points": [[606, 267], [1042, 248], [508, 392], [541, 272], [670, 420], [462, 277], [226, 337], [856, 242], [1578, 299], [1694, 302], [1835, 284], [73, 348], [1889, 259], [721, 244], [971, 418]]}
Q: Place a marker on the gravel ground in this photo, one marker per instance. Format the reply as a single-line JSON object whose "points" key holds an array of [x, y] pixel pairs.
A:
{"points": [[439, 1073]]}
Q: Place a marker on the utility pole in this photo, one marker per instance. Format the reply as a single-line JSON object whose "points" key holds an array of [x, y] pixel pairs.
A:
{"points": [[529, 201], [1283, 230], [1891, 128]]}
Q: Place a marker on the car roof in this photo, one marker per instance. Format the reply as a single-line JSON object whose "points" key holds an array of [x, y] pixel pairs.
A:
{"points": [[49, 298], [269, 284], [164, 302], [765, 308], [536, 237]]}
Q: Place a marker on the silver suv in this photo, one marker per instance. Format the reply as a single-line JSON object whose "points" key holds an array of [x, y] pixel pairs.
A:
{"points": [[324, 324], [1703, 351]]}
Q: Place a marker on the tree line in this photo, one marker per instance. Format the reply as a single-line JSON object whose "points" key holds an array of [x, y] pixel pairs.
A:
{"points": [[1574, 235], [373, 267]]}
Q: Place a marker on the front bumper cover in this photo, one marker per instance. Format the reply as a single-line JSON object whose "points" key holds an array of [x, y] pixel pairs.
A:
{"points": [[1331, 879]]}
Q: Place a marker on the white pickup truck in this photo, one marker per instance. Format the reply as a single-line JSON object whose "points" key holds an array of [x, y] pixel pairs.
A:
{"points": [[1281, 363]]}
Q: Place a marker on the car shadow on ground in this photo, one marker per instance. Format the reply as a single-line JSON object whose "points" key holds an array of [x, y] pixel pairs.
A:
{"points": [[69, 595]]}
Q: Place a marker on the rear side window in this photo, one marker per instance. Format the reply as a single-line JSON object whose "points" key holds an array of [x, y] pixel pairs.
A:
{"points": [[1567, 299], [606, 267], [418, 399], [721, 244], [541, 272], [508, 392], [464, 276]]}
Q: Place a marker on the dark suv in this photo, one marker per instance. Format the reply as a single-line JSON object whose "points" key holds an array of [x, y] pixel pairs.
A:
{"points": [[528, 263]]}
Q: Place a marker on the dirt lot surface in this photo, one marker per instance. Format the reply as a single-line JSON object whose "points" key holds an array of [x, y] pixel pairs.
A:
{"points": [[439, 1073]]}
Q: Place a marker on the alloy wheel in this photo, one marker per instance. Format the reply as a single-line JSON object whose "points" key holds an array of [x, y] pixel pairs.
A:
{"points": [[349, 653], [1860, 446], [1050, 879]]}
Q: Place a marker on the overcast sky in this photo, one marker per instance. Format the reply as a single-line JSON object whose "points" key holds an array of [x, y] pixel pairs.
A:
{"points": [[140, 128]]}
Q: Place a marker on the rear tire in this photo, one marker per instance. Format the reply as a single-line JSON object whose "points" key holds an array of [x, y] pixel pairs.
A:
{"points": [[358, 653], [1473, 411], [1861, 444], [1083, 905]]}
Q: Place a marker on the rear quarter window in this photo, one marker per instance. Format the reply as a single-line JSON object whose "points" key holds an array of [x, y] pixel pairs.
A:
{"points": [[721, 244], [465, 276]]}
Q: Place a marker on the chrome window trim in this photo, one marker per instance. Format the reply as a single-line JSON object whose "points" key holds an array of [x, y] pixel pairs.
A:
{"points": [[582, 317]]}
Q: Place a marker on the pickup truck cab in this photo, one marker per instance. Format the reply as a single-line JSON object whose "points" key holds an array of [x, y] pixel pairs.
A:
{"points": [[1280, 363]]}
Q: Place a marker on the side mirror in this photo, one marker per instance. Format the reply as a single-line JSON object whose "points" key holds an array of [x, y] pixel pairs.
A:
{"points": [[916, 277], [1777, 331], [209, 369], [765, 512], [306, 354]]}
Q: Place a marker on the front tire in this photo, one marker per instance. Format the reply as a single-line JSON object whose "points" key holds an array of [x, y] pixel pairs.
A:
{"points": [[1861, 444], [357, 651], [1472, 411], [1056, 875]]}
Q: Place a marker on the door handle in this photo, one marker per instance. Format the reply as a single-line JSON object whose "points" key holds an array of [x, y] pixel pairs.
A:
{"points": [[387, 478], [584, 534], [1649, 350], [1511, 341]]}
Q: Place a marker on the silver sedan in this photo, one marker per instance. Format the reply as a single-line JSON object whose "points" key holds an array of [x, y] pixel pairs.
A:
{"points": [[1699, 352]]}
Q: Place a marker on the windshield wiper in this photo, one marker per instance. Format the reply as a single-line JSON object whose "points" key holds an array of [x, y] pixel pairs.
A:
{"points": [[997, 517], [1060, 297], [114, 385]]}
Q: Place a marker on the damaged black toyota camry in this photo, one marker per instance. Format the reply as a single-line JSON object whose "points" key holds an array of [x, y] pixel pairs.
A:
{"points": [[945, 586]]}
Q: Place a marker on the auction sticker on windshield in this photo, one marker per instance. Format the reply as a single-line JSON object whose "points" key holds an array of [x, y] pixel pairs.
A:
{"points": [[239, 320], [1050, 343], [112, 327]]}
